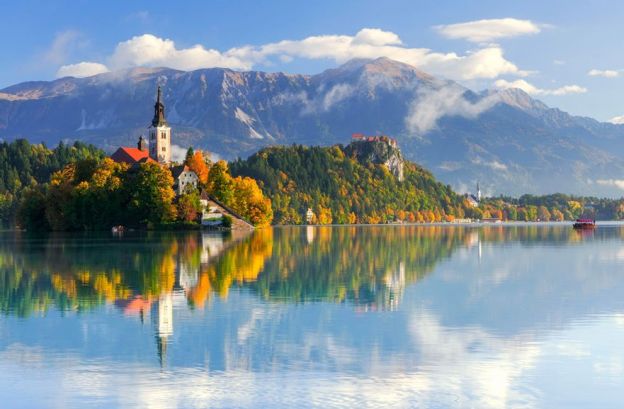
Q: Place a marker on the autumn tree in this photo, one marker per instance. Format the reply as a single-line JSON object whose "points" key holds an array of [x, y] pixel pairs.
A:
{"points": [[557, 215], [249, 201], [197, 163], [151, 194], [543, 214], [242, 194], [188, 206], [220, 184]]}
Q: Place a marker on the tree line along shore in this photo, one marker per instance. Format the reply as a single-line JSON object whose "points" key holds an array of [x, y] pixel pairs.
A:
{"points": [[76, 187]]}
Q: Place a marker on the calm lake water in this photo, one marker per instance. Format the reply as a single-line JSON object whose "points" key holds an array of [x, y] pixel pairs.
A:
{"points": [[414, 316]]}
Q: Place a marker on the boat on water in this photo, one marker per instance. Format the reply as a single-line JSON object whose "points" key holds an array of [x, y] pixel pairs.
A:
{"points": [[583, 224]]}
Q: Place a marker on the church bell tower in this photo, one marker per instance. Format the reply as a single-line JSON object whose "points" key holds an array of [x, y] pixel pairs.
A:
{"points": [[160, 134]]}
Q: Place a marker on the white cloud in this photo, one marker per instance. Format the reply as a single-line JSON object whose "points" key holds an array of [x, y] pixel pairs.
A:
{"points": [[450, 166], [493, 164], [619, 183], [430, 106], [81, 70], [376, 36], [618, 120], [149, 50], [496, 165], [323, 101], [372, 43], [178, 153], [63, 45], [336, 94], [603, 73], [533, 90], [482, 31]]}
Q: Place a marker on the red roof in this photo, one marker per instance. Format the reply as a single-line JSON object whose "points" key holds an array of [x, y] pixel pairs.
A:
{"points": [[130, 155], [134, 305]]}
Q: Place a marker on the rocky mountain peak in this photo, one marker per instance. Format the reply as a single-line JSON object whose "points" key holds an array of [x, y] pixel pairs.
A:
{"points": [[518, 98]]}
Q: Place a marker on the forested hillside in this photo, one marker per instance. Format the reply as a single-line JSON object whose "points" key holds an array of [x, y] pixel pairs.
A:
{"points": [[23, 164], [339, 188]]}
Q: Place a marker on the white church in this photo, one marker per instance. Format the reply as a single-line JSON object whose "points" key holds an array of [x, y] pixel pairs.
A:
{"points": [[158, 149]]}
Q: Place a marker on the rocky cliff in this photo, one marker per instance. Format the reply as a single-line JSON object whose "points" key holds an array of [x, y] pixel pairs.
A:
{"points": [[379, 150]]}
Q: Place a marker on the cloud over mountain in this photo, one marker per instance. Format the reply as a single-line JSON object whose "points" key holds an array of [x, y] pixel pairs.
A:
{"points": [[533, 90], [433, 104], [152, 51], [81, 70]]}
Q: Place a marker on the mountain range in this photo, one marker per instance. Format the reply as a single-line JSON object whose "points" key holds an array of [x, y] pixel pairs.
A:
{"points": [[504, 139]]}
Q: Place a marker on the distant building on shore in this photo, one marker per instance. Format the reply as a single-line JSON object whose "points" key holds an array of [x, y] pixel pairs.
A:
{"points": [[475, 199], [309, 216]]}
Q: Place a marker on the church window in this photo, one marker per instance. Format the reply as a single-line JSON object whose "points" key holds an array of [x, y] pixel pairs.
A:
{"points": [[164, 149]]}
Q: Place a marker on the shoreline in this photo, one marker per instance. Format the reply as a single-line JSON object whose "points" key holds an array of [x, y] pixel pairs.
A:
{"points": [[277, 226]]}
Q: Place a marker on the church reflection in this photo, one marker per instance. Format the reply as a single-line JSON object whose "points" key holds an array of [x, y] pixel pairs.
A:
{"points": [[439, 306], [367, 267], [159, 278]]}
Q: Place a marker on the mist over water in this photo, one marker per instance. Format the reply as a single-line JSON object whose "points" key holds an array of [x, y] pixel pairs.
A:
{"points": [[527, 316]]}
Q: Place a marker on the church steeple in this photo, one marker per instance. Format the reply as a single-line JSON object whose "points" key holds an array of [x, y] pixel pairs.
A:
{"points": [[160, 133], [159, 111]]}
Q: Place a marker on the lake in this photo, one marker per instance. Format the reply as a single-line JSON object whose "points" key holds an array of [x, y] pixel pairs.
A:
{"points": [[500, 316]]}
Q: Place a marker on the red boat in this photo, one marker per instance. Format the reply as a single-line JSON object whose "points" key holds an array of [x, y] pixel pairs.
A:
{"points": [[584, 224]]}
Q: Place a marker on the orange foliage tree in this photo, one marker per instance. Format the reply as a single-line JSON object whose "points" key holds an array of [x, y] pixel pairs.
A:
{"points": [[199, 164]]}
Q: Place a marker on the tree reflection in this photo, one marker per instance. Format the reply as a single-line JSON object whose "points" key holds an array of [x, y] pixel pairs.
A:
{"points": [[368, 267]]}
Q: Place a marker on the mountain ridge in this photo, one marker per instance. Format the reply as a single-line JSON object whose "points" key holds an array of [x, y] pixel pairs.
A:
{"points": [[505, 139]]}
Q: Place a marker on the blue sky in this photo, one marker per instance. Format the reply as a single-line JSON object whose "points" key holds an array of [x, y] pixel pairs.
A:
{"points": [[546, 47]]}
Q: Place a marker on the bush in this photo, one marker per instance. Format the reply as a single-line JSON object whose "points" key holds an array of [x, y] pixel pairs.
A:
{"points": [[227, 221]]}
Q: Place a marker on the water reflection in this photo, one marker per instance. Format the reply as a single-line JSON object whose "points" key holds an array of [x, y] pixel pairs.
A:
{"points": [[499, 316], [362, 266]]}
